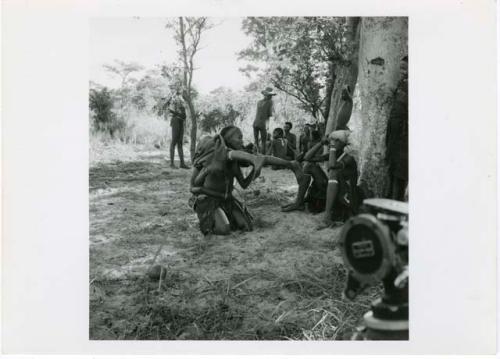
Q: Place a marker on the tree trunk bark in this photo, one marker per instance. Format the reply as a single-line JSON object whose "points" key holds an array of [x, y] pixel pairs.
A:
{"points": [[329, 89], [194, 127], [186, 93], [345, 74], [383, 43]]}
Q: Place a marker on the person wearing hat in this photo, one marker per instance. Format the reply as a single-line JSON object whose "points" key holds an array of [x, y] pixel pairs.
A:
{"points": [[264, 112]]}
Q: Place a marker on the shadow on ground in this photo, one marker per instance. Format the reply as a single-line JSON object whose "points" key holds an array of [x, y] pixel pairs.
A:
{"points": [[282, 281]]}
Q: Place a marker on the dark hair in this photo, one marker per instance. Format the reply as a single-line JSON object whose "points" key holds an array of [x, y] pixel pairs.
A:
{"points": [[279, 131], [315, 135], [289, 123], [226, 130]]}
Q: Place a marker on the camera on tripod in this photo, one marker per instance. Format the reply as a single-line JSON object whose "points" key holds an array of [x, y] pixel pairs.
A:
{"points": [[375, 250]]}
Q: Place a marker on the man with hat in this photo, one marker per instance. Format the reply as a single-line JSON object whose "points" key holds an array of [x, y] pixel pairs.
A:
{"points": [[264, 112]]}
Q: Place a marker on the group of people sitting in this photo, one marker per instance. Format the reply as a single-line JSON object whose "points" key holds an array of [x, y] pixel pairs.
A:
{"points": [[219, 160]]}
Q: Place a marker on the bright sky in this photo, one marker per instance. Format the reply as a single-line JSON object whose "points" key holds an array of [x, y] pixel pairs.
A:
{"points": [[148, 42]]}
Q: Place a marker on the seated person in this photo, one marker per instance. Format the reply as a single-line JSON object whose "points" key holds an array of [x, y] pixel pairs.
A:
{"points": [[291, 150], [304, 139], [217, 162], [314, 138], [313, 192], [279, 146]]}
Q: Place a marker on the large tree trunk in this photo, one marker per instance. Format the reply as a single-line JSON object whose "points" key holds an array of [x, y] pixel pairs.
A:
{"points": [[345, 73], [329, 89], [383, 43]]}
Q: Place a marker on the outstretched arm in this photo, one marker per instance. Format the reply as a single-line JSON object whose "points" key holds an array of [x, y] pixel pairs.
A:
{"points": [[312, 152]]}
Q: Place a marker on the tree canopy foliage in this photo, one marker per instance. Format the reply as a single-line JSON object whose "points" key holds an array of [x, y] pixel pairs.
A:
{"points": [[101, 105], [188, 33], [298, 55]]}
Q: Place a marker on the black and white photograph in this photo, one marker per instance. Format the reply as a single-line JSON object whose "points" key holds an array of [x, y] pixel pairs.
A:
{"points": [[248, 178], [195, 178]]}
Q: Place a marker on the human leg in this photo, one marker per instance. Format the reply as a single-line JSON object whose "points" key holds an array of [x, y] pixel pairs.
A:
{"points": [[314, 176], [256, 138], [176, 131], [398, 188], [221, 223], [172, 153], [241, 217], [180, 149], [263, 135]]}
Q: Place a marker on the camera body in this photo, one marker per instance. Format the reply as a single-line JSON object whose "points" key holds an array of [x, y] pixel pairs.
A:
{"points": [[374, 247]]}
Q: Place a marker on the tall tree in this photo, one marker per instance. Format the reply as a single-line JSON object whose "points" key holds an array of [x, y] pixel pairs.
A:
{"points": [[383, 44], [187, 33], [123, 70], [344, 70], [297, 55]]}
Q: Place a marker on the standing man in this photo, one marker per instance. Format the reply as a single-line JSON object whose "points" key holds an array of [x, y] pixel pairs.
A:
{"points": [[264, 112], [397, 138], [291, 141], [177, 113]]}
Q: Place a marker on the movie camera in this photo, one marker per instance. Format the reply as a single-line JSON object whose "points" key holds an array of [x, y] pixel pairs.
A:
{"points": [[375, 250]]}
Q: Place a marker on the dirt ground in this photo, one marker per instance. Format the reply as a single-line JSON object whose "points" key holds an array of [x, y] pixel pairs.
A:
{"points": [[282, 281]]}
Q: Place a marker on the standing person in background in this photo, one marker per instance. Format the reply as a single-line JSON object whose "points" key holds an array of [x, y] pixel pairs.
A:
{"points": [[264, 112], [397, 138], [177, 113], [291, 141]]}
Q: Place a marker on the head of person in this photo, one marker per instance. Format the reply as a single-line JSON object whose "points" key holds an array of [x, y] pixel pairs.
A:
{"points": [[268, 93], [339, 139], [346, 93], [288, 126], [233, 137], [278, 133], [315, 135], [307, 129]]}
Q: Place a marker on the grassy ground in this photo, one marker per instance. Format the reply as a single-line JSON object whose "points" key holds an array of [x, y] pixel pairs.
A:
{"points": [[282, 281]]}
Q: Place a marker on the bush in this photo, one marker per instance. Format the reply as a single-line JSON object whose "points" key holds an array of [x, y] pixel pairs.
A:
{"points": [[104, 119]]}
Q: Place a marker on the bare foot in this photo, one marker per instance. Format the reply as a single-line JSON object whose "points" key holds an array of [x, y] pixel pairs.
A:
{"points": [[329, 224]]}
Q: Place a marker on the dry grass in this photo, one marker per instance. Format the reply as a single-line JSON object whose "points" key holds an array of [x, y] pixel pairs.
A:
{"points": [[282, 281]]}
